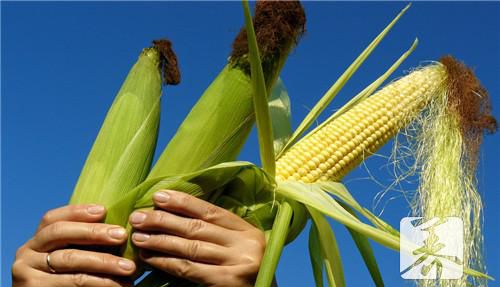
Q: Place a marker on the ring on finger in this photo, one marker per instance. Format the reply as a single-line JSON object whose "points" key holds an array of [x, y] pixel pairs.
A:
{"points": [[47, 259]]}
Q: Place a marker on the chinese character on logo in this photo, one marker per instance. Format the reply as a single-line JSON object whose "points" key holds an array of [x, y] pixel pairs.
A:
{"points": [[439, 251]]}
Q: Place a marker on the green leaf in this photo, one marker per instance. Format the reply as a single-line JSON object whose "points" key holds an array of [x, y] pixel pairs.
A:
{"points": [[366, 251], [312, 195], [329, 249], [339, 190], [315, 255], [261, 108], [274, 245], [281, 115], [337, 86], [368, 91]]}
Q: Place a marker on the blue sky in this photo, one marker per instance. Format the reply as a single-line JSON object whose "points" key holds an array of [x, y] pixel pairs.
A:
{"points": [[63, 62]]}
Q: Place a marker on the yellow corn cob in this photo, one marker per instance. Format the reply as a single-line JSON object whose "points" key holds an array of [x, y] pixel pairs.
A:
{"points": [[332, 151]]}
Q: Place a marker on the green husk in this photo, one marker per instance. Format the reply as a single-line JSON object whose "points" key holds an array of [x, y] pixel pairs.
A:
{"points": [[220, 122], [121, 155]]}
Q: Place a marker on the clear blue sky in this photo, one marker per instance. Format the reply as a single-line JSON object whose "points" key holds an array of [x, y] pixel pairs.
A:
{"points": [[62, 64]]}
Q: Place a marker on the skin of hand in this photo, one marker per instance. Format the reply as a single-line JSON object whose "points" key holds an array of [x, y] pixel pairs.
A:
{"points": [[60, 229], [193, 239]]}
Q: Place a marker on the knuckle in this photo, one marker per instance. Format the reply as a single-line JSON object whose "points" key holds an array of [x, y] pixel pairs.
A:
{"points": [[47, 218], [159, 218], [193, 249], [194, 226], [18, 270], [183, 268], [258, 241], [104, 260], [93, 232], [106, 282], [20, 252], [28, 282], [56, 229], [162, 240], [79, 279], [67, 256], [234, 279], [184, 199], [212, 213]]}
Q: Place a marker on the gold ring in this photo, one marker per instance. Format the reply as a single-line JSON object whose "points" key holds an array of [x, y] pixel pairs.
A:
{"points": [[47, 259]]}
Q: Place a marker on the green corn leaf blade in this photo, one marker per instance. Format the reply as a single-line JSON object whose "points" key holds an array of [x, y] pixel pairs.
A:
{"points": [[366, 251], [275, 244], [368, 91], [121, 155], [281, 115], [261, 108], [312, 195], [329, 274], [339, 190], [337, 86], [329, 249], [315, 255]]}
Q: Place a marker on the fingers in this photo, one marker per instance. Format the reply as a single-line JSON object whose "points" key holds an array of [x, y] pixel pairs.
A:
{"points": [[193, 250], [183, 268], [190, 206], [32, 269], [165, 222], [80, 213], [63, 233], [74, 260], [84, 280]]}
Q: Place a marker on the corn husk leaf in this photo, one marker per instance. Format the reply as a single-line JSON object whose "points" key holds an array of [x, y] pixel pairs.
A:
{"points": [[365, 250], [215, 129], [329, 250], [368, 91], [339, 84], [261, 107], [315, 256], [281, 115], [121, 155], [312, 195]]}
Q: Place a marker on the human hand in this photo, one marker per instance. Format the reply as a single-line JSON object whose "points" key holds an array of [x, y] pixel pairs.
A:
{"points": [[193, 239], [47, 261]]}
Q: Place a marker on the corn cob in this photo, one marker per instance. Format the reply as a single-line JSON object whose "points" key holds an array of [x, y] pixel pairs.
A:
{"points": [[332, 151]]}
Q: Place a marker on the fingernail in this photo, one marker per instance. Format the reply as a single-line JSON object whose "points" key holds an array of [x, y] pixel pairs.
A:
{"points": [[95, 209], [161, 196], [137, 217], [126, 264], [117, 233], [137, 236]]}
